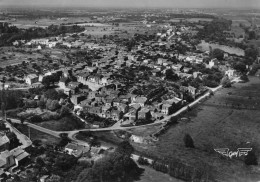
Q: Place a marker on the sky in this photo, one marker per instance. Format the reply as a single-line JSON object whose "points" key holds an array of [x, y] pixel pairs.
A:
{"points": [[255, 4]]}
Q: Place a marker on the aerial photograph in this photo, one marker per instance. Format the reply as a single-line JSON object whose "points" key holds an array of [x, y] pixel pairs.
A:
{"points": [[130, 90]]}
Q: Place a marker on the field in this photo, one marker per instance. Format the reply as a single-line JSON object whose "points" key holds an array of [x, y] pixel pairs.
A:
{"points": [[150, 175], [14, 56], [44, 22], [237, 30], [63, 124], [37, 135], [254, 43], [176, 20], [229, 119], [204, 46], [125, 30]]}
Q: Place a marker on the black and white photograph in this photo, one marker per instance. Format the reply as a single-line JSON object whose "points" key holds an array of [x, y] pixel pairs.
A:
{"points": [[130, 90]]}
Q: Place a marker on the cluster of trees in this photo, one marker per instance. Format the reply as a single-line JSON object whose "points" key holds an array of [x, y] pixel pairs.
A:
{"points": [[12, 34], [254, 69], [251, 53], [225, 82], [103, 122], [5, 28], [213, 31], [217, 53], [50, 79], [12, 99], [116, 166]]}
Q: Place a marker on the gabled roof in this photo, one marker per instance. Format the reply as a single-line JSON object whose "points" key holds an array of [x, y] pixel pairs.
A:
{"points": [[32, 76], [3, 140], [140, 99]]}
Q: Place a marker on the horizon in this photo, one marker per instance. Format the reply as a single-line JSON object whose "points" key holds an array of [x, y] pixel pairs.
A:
{"points": [[194, 4]]}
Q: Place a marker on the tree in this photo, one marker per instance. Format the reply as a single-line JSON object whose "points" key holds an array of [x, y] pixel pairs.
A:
{"points": [[125, 148], [251, 52], [244, 78], [218, 53], [251, 158], [46, 81], [41, 104], [142, 161], [64, 111], [240, 66], [54, 178], [188, 141], [51, 94], [36, 119], [114, 167], [226, 82]]}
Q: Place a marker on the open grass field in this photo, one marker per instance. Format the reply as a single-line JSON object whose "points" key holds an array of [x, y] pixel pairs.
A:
{"points": [[204, 46], [63, 124], [45, 22], [150, 175], [229, 119], [254, 43], [9, 56], [37, 135]]}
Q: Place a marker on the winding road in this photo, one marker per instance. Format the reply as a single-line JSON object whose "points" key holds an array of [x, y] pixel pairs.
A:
{"points": [[116, 126]]}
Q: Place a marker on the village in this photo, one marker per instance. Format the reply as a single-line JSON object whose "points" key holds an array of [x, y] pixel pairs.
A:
{"points": [[72, 84]]}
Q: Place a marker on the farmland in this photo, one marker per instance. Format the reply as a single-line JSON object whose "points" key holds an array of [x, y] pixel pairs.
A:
{"points": [[230, 119], [204, 46]]}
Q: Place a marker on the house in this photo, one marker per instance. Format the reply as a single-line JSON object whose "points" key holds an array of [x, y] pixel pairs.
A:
{"points": [[156, 72], [100, 97], [14, 157], [189, 89], [158, 116], [212, 63], [76, 99], [31, 78], [177, 67], [95, 110], [109, 102], [104, 110], [137, 139], [123, 107], [125, 98], [67, 72], [6, 159], [145, 114], [75, 149], [4, 143], [20, 156], [108, 89], [141, 101], [160, 61], [104, 81], [258, 73], [82, 78], [91, 69], [166, 109], [92, 95], [116, 102], [67, 91], [63, 82], [44, 178], [197, 74], [75, 85], [116, 115], [230, 73]]}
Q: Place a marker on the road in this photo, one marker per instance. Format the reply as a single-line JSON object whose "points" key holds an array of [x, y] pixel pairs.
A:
{"points": [[116, 126], [26, 142]]}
